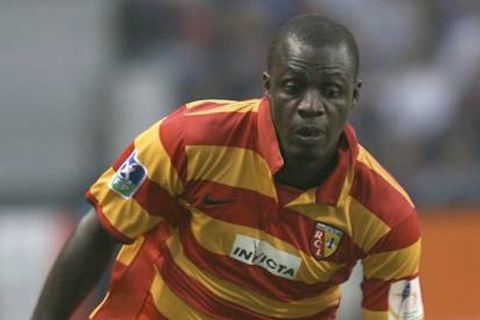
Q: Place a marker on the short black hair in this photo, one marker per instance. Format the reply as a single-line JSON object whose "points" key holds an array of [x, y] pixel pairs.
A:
{"points": [[316, 30]]}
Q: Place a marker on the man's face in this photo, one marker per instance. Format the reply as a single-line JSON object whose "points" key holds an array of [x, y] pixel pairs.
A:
{"points": [[312, 91]]}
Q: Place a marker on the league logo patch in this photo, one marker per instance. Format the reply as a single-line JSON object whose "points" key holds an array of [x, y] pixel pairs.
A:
{"points": [[129, 177], [405, 300], [325, 240]]}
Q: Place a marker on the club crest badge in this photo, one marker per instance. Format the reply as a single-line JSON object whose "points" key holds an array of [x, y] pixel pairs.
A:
{"points": [[325, 240], [128, 177]]}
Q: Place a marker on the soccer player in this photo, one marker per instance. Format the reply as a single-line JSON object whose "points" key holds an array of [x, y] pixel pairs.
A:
{"points": [[253, 209]]}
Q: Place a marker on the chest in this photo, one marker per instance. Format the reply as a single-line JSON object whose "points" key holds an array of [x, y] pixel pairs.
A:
{"points": [[294, 239], [237, 214]]}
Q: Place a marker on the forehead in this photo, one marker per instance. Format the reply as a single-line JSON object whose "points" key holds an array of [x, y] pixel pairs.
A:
{"points": [[329, 58]]}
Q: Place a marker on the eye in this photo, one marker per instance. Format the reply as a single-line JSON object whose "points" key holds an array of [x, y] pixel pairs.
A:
{"points": [[332, 92], [292, 87]]}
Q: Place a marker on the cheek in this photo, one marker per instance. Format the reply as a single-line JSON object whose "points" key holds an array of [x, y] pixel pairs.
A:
{"points": [[342, 110], [281, 122], [283, 112]]}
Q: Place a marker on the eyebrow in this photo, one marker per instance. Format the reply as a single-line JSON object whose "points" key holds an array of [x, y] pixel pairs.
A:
{"points": [[296, 68], [333, 71], [300, 70]]}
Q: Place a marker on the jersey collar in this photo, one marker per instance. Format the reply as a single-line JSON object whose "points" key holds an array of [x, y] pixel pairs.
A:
{"points": [[267, 137], [330, 190]]}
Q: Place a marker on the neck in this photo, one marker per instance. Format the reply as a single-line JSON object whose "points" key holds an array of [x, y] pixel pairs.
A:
{"points": [[304, 174]]}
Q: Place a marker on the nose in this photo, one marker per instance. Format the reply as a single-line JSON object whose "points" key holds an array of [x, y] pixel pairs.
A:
{"points": [[312, 104]]}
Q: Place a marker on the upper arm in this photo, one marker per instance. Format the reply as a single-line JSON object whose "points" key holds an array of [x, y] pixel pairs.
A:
{"points": [[140, 188], [91, 227], [391, 286]]}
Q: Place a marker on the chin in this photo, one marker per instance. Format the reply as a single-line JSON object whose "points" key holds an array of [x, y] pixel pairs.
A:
{"points": [[304, 154]]}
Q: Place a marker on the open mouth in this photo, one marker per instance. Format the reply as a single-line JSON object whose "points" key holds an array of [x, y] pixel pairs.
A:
{"points": [[308, 136], [309, 132]]}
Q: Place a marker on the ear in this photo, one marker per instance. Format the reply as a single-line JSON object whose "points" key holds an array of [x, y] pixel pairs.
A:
{"points": [[266, 82], [356, 92]]}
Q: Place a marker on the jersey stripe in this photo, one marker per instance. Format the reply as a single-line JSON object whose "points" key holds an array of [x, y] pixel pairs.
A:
{"points": [[375, 315], [131, 285], [131, 225], [193, 293], [267, 137], [169, 304], [328, 314], [233, 106], [368, 229], [404, 234], [306, 198], [209, 103], [243, 170], [173, 141], [375, 294], [156, 201], [406, 263], [128, 252], [367, 159], [207, 228], [153, 156], [245, 122], [284, 226], [387, 203], [251, 299], [105, 222], [330, 190], [242, 274], [240, 207], [133, 280], [243, 211], [123, 156], [129, 217], [150, 310], [95, 311]]}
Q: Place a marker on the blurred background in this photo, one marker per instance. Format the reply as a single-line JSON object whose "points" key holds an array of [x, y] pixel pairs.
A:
{"points": [[79, 79]]}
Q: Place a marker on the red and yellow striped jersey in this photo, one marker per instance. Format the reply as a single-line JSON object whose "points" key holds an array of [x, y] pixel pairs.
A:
{"points": [[210, 235]]}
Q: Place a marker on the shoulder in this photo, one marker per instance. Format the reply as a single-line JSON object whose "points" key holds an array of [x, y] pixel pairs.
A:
{"points": [[213, 122], [228, 113], [197, 126], [213, 109], [377, 191], [216, 106]]}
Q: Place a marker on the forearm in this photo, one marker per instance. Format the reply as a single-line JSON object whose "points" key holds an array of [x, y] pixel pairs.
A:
{"points": [[77, 269]]}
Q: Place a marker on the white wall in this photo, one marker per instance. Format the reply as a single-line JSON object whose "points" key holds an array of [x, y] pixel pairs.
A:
{"points": [[51, 56], [30, 238]]}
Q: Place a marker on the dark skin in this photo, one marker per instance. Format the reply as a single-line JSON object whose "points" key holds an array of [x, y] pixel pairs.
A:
{"points": [[312, 91], [78, 268]]}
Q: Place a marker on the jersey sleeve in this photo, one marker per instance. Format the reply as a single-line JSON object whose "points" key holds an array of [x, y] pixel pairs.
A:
{"points": [[140, 189], [391, 285]]}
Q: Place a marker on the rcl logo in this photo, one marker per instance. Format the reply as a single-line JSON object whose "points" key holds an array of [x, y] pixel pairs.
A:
{"points": [[325, 240], [318, 241]]}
